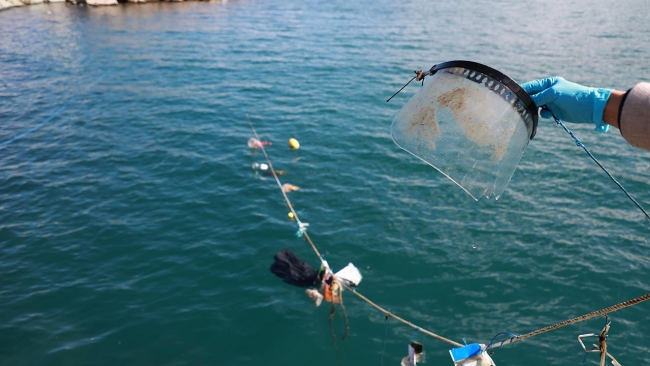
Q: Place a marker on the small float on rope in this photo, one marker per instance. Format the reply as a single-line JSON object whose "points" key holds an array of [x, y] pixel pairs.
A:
{"points": [[294, 144]]}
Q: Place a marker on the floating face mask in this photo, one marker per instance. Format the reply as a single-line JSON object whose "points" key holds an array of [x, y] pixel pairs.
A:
{"points": [[470, 122]]}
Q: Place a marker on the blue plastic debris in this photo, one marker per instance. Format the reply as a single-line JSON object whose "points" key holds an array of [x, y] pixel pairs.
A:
{"points": [[463, 353]]}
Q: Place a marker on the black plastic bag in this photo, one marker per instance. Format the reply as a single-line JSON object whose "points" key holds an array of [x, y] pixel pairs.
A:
{"points": [[293, 270]]}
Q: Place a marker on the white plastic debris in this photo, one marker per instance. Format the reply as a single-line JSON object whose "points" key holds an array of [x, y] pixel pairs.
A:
{"points": [[471, 355], [258, 166], [349, 275], [416, 354]]}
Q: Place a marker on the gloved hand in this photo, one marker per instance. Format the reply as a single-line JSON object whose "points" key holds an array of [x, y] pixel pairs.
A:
{"points": [[569, 101]]}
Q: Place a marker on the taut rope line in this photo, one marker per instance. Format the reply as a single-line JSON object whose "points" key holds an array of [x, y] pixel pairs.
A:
{"points": [[48, 119], [580, 144], [604, 311], [388, 313]]}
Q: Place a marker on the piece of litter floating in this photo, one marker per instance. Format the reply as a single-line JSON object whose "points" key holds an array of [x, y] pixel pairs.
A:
{"points": [[349, 275], [258, 166], [331, 289], [293, 270], [324, 266], [289, 188], [416, 354], [471, 355], [314, 295], [254, 143]]}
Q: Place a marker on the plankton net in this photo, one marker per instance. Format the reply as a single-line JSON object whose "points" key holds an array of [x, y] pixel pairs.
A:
{"points": [[470, 122]]}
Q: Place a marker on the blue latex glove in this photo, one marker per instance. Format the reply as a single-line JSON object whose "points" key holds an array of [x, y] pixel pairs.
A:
{"points": [[569, 101]]}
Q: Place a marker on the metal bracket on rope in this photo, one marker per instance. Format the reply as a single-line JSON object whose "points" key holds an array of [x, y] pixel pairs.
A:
{"points": [[601, 347], [419, 76]]}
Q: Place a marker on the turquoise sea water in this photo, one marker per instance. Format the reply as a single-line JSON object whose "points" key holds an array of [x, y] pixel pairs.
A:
{"points": [[134, 232]]}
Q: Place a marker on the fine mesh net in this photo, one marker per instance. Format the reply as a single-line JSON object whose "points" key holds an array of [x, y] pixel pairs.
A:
{"points": [[468, 126]]}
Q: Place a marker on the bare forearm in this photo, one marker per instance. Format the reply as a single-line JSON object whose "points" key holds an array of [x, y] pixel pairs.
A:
{"points": [[613, 107], [634, 121]]}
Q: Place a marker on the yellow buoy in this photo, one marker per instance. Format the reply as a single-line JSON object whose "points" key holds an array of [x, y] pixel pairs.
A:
{"points": [[290, 214], [294, 144]]}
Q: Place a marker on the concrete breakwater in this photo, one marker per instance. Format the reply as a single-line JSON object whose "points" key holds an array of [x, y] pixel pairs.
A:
{"points": [[7, 4]]}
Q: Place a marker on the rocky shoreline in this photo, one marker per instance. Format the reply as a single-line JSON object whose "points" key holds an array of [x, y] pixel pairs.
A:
{"points": [[7, 4]]}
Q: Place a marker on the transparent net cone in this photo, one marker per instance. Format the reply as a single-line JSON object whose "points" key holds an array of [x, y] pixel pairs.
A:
{"points": [[468, 127]]}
